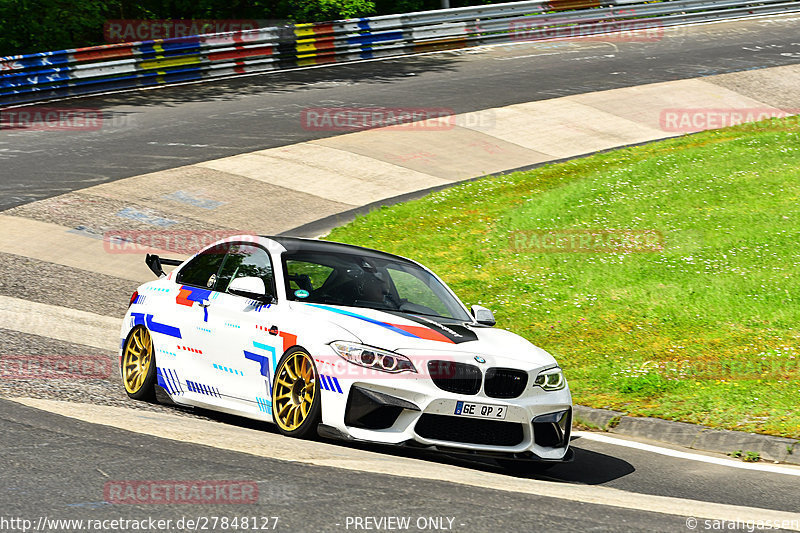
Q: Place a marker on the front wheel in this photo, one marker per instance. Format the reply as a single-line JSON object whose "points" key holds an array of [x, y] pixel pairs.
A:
{"points": [[296, 397], [139, 365]]}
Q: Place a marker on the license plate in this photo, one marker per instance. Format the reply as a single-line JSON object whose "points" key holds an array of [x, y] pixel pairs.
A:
{"points": [[481, 410]]}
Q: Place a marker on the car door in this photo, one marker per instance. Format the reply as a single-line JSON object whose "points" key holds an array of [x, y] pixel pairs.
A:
{"points": [[188, 310], [245, 345]]}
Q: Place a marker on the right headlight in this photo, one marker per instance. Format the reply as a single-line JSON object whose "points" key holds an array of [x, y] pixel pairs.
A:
{"points": [[551, 379], [373, 358]]}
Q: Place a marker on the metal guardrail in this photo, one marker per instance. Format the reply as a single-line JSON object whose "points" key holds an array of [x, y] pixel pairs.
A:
{"points": [[51, 75]]}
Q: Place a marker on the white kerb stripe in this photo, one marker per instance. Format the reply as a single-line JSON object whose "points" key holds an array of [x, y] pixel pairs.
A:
{"points": [[687, 455]]}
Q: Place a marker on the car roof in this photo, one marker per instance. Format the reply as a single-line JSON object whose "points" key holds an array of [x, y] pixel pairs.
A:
{"points": [[298, 244]]}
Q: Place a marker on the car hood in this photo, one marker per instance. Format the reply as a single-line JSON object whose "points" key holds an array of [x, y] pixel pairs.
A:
{"points": [[423, 335]]}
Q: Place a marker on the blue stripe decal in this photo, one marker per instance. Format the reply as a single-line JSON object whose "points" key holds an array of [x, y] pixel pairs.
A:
{"points": [[168, 380], [262, 360], [266, 347], [336, 384], [366, 319], [140, 319], [161, 382], [264, 405], [202, 389], [330, 383], [271, 350], [164, 329], [176, 381]]}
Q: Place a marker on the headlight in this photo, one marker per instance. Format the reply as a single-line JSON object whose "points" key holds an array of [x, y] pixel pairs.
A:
{"points": [[550, 380], [374, 358]]}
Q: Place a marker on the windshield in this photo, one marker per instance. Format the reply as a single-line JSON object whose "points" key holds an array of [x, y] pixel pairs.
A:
{"points": [[354, 280]]}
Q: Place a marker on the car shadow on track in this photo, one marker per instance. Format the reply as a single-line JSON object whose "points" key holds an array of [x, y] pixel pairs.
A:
{"points": [[587, 468]]}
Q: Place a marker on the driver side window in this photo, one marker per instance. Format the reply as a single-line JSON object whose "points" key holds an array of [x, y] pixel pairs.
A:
{"points": [[202, 270], [246, 260]]}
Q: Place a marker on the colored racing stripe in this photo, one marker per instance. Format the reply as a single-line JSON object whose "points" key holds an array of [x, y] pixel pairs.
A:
{"points": [[140, 319], [417, 332], [386, 325], [330, 383], [187, 295]]}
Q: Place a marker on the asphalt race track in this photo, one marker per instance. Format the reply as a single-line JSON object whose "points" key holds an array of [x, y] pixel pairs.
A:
{"points": [[57, 466], [168, 127]]}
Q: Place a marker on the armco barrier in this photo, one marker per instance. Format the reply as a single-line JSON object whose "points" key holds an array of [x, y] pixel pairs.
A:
{"points": [[49, 75]]}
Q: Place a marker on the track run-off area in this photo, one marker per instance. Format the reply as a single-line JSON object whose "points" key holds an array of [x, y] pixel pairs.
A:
{"points": [[235, 156]]}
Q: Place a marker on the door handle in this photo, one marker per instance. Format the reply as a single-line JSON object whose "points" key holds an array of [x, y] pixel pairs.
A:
{"points": [[204, 303]]}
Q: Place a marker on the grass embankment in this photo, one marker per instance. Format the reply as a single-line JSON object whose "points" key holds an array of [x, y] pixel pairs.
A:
{"points": [[702, 330]]}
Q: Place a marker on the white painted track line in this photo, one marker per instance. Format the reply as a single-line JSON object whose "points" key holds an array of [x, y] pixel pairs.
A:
{"points": [[606, 439]]}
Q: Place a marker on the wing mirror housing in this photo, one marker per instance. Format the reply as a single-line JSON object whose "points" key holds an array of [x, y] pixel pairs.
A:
{"points": [[250, 287], [482, 315]]}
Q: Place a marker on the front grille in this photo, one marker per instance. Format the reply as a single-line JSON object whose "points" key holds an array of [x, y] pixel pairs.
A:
{"points": [[469, 430], [505, 382], [455, 377]]}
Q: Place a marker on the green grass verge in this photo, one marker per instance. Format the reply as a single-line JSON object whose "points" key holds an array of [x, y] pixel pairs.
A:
{"points": [[703, 330]]}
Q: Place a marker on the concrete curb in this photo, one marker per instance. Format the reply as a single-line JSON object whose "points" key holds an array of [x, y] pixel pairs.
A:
{"points": [[692, 436], [325, 225]]}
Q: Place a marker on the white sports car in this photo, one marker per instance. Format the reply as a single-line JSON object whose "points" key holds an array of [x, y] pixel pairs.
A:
{"points": [[341, 341]]}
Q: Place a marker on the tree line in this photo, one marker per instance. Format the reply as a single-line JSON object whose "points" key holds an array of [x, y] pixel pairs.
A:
{"points": [[41, 25]]}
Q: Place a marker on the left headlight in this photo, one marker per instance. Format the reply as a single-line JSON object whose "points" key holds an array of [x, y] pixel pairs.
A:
{"points": [[551, 379], [373, 358]]}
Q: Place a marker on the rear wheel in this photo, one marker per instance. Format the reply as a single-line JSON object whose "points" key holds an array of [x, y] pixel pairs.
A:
{"points": [[296, 401], [139, 365]]}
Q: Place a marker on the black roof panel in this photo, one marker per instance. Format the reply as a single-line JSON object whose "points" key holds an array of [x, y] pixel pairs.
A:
{"points": [[297, 244]]}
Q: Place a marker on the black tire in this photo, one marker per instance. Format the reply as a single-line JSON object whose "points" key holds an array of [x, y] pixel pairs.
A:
{"points": [[295, 415], [139, 382]]}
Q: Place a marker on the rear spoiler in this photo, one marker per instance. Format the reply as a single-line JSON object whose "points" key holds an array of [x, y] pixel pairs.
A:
{"points": [[155, 262]]}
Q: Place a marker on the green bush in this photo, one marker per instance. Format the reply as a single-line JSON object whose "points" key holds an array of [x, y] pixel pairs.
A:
{"points": [[28, 26], [322, 10]]}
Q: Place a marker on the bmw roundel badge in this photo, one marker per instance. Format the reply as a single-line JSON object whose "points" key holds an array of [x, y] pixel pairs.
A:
{"points": [[480, 359]]}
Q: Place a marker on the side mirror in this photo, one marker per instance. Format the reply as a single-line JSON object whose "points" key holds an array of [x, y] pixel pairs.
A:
{"points": [[249, 287], [482, 315]]}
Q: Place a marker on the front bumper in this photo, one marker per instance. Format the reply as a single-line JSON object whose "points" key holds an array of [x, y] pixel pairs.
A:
{"points": [[415, 412]]}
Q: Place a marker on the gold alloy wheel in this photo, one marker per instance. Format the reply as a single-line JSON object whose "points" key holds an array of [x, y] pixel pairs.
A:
{"points": [[295, 390], [137, 359]]}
